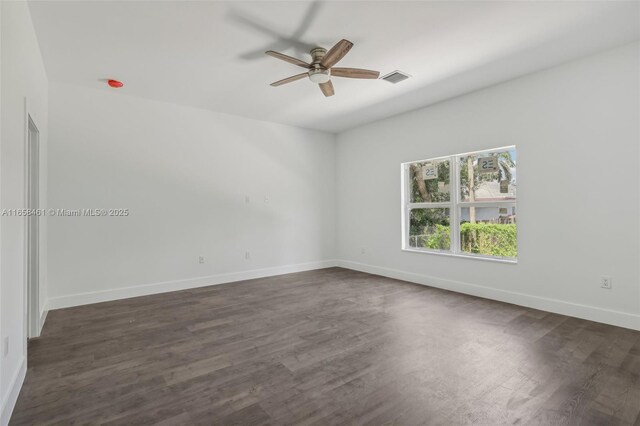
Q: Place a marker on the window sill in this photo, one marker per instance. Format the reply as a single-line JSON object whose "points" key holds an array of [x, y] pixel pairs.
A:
{"points": [[463, 256]]}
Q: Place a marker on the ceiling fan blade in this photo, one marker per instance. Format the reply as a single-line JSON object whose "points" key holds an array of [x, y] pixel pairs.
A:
{"points": [[327, 88], [289, 79], [336, 53], [287, 58], [354, 73]]}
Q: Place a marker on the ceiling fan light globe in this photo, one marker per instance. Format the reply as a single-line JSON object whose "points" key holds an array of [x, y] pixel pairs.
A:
{"points": [[319, 76]]}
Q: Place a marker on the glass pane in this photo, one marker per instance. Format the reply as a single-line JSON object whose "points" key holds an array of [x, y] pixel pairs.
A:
{"points": [[489, 231], [488, 177], [429, 228], [430, 181]]}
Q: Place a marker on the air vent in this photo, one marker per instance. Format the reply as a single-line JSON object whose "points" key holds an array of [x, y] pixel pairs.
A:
{"points": [[395, 77]]}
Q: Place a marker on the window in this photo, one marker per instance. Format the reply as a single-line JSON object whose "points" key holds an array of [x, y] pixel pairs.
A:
{"points": [[462, 205]]}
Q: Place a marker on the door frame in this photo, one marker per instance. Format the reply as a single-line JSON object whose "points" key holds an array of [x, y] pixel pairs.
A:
{"points": [[32, 290]]}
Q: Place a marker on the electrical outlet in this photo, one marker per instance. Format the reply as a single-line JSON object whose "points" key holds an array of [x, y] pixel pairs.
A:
{"points": [[266, 199], [6, 346], [247, 255], [201, 259], [605, 282]]}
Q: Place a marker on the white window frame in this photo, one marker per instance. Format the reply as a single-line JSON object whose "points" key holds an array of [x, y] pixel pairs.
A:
{"points": [[455, 206]]}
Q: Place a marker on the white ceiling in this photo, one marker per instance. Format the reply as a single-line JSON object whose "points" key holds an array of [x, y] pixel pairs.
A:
{"points": [[210, 54]]}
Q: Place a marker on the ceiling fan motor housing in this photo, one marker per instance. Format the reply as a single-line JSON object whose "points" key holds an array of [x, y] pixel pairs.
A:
{"points": [[317, 73], [317, 53]]}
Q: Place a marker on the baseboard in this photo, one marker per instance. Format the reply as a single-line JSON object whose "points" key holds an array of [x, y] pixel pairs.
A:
{"points": [[43, 316], [163, 287], [592, 313], [12, 394]]}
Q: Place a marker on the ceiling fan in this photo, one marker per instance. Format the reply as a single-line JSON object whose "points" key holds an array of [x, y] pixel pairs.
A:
{"points": [[321, 69]]}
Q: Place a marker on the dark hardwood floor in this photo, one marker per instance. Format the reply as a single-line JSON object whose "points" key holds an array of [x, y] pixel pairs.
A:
{"points": [[327, 347]]}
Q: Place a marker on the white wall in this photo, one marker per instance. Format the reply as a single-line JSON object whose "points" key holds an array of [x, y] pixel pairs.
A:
{"points": [[184, 174], [23, 76], [3, 402], [576, 128]]}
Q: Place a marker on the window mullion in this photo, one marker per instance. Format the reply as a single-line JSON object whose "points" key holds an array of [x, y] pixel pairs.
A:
{"points": [[444, 204], [486, 203], [406, 195], [455, 210]]}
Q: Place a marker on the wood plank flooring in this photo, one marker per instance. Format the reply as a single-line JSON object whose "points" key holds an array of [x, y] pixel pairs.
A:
{"points": [[327, 347]]}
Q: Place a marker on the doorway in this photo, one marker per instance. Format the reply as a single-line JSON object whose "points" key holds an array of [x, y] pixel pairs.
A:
{"points": [[33, 230]]}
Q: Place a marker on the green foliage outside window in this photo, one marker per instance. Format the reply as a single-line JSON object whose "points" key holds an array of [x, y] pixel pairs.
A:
{"points": [[440, 239], [493, 239], [424, 223]]}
